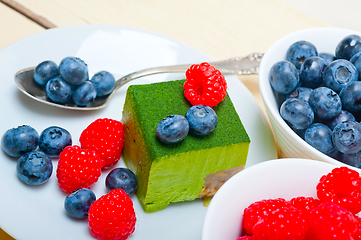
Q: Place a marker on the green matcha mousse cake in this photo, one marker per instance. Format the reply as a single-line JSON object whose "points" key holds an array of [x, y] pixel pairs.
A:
{"points": [[195, 167]]}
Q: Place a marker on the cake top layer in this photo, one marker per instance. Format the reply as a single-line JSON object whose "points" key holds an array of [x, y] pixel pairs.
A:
{"points": [[152, 102]]}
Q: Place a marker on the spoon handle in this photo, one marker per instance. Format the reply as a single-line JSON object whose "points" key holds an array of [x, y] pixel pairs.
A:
{"points": [[237, 65]]}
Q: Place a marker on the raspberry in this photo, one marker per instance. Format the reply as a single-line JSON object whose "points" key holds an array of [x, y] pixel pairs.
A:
{"points": [[106, 137], [341, 186], [305, 204], [112, 216], [78, 168], [204, 85], [357, 234], [285, 223], [259, 210], [245, 238], [330, 221]]}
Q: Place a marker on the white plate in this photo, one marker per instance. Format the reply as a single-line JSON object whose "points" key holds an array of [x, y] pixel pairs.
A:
{"points": [[37, 212]]}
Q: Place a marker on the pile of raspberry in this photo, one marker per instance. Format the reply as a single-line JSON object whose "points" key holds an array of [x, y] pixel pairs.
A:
{"points": [[111, 216], [334, 214], [101, 148]]}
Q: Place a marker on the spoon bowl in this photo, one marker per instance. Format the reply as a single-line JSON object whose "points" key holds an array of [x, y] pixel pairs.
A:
{"points": [[26, 84], [238, 66]]}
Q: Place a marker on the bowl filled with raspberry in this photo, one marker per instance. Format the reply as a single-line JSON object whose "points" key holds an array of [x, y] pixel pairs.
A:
{"points": [[310, 85], [291, 198]]}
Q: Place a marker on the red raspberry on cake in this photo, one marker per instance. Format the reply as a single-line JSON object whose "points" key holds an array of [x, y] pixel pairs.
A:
{"points": [[259, 210], [204, 85], [78, 168], [106, 137], [112, 216], [341, 186], [330, 221], [285, 223]]}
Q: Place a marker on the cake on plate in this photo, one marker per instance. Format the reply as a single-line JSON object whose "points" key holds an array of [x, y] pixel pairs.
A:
{"points": [[193, 168]]}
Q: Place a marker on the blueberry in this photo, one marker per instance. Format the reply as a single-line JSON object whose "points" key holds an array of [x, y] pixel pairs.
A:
{"points": [[297, 113], [44, 71], [77, 204], [104, 83], [284, 77], [299, 52], [202, 119], [353, 159], [356, 61], [348, 46], [319, 136], [34, 168], [301, 93], [351, 97], [58, 90], [53, 140], [342, 117], [172, 129], [339, 74], [84, 94], [311, 72], [17, 141], [347, 137], [73, 70], [122, 178], [325, 103], [335, 154], [300, 132], [328, 57]]}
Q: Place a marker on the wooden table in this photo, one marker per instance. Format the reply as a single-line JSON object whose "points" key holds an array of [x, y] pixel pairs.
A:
{"points": [[219, 28]]}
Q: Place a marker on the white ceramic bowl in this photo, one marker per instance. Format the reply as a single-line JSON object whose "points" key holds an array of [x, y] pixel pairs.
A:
{"points": [[290, 144], [286, 178]]}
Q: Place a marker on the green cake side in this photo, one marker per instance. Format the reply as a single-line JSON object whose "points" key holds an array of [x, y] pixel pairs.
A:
{"points": [[176, 172]]}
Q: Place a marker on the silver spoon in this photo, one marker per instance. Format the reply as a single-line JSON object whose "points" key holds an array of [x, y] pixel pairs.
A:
{"points": [[238, 66]]}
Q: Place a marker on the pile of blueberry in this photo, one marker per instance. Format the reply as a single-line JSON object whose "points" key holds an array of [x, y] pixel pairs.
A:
{"points": [[35, 167], [199, 120], [319, 95], [70, 81]]}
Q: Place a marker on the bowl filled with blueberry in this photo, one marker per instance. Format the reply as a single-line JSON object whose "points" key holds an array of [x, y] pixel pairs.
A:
{"points": [[310, 84]]}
